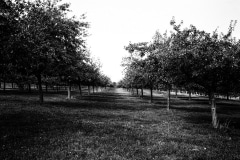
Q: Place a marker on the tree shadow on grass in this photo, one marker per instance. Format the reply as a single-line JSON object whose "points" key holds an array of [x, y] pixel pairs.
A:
{"points": [[101, 97], [201, 104], [198, 110], [26, 124], [201, 116], [107, 101], [228, 107], [27, 134], [101, 100], [101, 104]]}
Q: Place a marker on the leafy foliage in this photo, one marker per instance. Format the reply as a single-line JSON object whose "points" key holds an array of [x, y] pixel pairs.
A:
{"points": [[189, 58], [41, 40]]}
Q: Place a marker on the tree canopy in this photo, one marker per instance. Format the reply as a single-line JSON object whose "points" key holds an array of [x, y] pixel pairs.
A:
{"points": [[188, 58], [41, 41]]}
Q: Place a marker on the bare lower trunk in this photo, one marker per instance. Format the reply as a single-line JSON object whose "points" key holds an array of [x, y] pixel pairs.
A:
{"points": [[39, 78], [151, 91], [80, 88], [176, 91], [46, 85], [137, 91], [189, 97], [214, 111], [29, 87], [168, 98], [4, 84], [69, 91], [93, 88], [88, 90], [142, 92]]}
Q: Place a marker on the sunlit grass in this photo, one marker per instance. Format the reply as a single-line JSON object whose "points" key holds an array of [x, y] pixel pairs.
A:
{"points": [[114, 125]]}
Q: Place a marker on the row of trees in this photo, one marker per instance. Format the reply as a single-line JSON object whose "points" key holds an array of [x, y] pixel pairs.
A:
{"points": [[40, 43], [188, 59]]}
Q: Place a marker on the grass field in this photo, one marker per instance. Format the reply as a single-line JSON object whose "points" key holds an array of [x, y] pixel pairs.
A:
{"points": [[115, 125]]}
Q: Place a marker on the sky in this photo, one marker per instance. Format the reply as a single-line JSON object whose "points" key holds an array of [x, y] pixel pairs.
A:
{"points": [[115, 23]]}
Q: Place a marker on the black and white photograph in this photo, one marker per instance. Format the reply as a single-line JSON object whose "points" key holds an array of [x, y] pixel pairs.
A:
{"points": [[119, 79]]}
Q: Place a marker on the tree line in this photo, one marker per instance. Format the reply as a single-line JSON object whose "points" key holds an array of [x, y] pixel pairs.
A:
{"points": [[189, 59], [42, 44]]}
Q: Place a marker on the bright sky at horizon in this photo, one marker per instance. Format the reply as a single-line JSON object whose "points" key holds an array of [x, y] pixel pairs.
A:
{"points": [[115, 23]]}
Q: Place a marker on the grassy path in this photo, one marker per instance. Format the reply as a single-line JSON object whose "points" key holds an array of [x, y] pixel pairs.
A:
{"points": [[110, 125]]}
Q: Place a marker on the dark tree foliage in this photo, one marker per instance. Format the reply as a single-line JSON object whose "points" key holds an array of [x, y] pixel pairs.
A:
{"points": [[40, 42], [189, 58]]}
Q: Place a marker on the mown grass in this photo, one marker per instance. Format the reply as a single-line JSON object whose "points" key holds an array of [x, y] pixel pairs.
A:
{"points": [[115, 125]]}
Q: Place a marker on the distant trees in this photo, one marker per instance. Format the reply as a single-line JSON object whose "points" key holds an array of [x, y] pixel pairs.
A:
{"points": [[39, 40], [139, 70], [191, 59]]}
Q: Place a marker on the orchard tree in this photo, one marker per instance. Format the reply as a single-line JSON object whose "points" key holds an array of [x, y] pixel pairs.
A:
{"points": [[190, 59], [161, 53], [81, 73], [153, 68], [142, 66], [202, 59], [45, 37], [9, 18]]}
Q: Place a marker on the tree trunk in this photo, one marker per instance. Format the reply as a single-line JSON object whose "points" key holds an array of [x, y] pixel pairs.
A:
{"points": [[12, 85], [168, 98], [46, 87], [29, 87], [4, 84], [93, 88], [88, 89], [137, 91], [69, 91], [214, 111], [151, 91], [209, 97], [0, 84], [80, 88], [176, 95], [142, 92], [227, 96], [39, 78], [189, 97]]}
